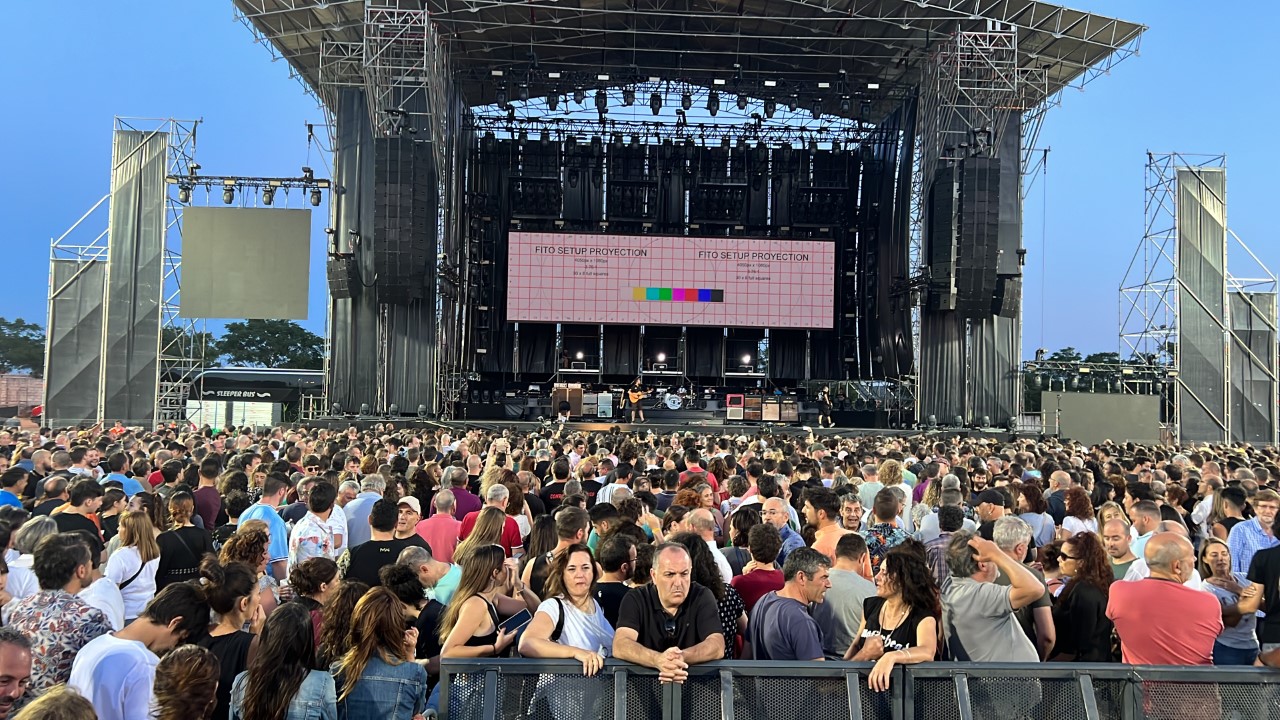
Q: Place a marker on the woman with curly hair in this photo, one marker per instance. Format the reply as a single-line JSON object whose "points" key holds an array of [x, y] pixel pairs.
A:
{"points": [[900, 624], [186, 684], [1080, 614], [1079, 517], [314, 581], [336, 625], [249, 546]]}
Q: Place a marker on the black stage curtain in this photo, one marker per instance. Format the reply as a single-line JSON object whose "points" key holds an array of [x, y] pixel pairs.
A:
{"points": [[621, 347], [704, 350], [537, 349], [824, 361], [786, 354], [501, 347]]}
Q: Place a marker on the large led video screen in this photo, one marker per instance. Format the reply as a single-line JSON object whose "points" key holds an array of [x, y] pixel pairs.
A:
{"points": [[652, 280]]}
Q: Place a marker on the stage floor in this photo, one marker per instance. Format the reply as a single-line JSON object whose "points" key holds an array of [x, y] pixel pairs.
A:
{"points": [[662, 428]]}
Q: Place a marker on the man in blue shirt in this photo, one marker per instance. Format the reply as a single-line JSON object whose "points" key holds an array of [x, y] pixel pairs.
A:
{"points": [[1250, 536], [357, 511], [11, 483], [775, 513], [116, 463], [781, 627], [273, 491]]}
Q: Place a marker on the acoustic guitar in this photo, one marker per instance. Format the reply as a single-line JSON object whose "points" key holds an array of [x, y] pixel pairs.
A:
{"points": [[636, 396]]}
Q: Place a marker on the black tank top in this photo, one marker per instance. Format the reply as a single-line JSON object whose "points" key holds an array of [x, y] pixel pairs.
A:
{"points": [[487, 638], [232, 651], [1230, 522]]}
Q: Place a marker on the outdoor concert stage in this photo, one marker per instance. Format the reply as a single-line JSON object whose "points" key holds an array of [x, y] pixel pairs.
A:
{"points": [[558, 197]]}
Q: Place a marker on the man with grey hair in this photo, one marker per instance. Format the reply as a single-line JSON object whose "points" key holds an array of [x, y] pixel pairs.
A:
{"points": [[1013, 536], [781, 626], [456, 479], [702, 523], [439, 579], [870, 485], [497, 496], [441, 530], [978, 622], [950, 496], [347, 492], [357, 511], [1059, 482]]}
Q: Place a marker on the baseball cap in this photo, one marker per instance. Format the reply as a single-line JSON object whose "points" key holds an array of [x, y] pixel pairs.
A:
{"points": [[991, 496], [412, 502]]}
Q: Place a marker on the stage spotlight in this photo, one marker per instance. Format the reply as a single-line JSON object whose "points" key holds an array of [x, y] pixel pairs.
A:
{"points": [[501, 97], [268, 195], [522, 92], [364, 408], [662, 357], [617, 141], [546, 137], [578, 355], [394, 410], [336, 409], [228, 195], [713, 103], [817, 109], [524, 137], [686, 101], [742, 102], [746, 359], [958, 421], [628, 97], [308, 175], [422, 411], [931, 421], [316, 197], [635, 141], [655, 103], [794, 103], [984, 421], [553, 101], [770, 107], [724, 142], [579, 96], [184, 194], [602, 101], [813, 145], [846, 107], [835, 146], [1075, 382]]}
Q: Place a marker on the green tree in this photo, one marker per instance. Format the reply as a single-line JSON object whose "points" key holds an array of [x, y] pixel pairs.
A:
{"points": [[271, 343], [180, 343], [1066, 355], [21, 346], [1103, 358]]}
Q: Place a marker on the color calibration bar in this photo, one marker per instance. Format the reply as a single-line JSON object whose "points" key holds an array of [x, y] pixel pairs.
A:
{"points": [[650, 294]]}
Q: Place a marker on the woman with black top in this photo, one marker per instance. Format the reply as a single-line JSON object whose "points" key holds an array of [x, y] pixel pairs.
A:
{"points": [[232, 593], [113, 503], [1228, 507], [314, 581], [183, 546], [899, 625], [1080, 614]]}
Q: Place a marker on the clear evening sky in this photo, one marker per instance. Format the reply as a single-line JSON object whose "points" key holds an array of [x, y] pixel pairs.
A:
{"points": [[1203, 83]]}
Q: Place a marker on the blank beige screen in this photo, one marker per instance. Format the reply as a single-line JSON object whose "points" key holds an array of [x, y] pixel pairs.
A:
{"points": [[245, 263]]}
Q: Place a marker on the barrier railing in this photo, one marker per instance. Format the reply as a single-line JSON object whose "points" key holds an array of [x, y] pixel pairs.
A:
{"points": [[557, 690]]}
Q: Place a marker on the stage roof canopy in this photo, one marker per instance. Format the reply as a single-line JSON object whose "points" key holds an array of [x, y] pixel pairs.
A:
{"points": [[796, 43]]}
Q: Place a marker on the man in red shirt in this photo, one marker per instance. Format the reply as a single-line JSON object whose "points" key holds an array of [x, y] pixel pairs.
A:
{"points": [[441, 530], [497, 497], [1161, 621], [692, 464], [760, 576]]}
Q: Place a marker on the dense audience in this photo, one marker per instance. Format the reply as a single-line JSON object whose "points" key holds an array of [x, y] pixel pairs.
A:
{"points": [[310, 573]]}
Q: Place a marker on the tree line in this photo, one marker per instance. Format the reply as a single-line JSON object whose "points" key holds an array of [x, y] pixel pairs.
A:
{"points": [[249, 343]]}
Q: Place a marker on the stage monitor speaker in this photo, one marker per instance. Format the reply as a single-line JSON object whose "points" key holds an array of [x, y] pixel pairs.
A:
{"points": [[604, 405], [343, 277], [571, 395], [772, 411], [735, 400], [733, 413]]}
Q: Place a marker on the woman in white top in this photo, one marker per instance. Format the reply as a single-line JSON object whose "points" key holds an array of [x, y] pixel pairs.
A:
{"points": [[133, 566], [1079, 517], [570, 624], [22, 579]]}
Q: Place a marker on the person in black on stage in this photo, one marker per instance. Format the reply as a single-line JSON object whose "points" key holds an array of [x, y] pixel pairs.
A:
{"points": [[824, 407], [635, 394]]}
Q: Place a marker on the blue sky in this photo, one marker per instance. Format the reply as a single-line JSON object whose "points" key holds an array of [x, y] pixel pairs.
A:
{"points": [[1200, 85]]}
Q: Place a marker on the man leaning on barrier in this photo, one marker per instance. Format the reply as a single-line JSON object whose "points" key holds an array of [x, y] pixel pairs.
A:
{"points": [[671, 623]]}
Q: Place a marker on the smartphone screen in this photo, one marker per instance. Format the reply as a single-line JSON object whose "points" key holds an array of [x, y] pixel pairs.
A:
{"points": [[516, 622]]}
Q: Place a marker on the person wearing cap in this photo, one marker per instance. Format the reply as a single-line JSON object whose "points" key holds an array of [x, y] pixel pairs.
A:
{"points": [[409, 512], [991, 507]]}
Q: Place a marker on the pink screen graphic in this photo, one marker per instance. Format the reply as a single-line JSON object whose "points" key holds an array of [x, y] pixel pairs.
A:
{"points": [[635, 280]]}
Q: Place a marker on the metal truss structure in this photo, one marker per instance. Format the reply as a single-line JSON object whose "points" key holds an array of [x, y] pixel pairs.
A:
{"points": [[1152, 295]]}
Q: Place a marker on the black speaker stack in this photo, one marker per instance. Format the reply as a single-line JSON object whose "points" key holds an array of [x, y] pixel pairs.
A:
{"points": [[404, 218]]}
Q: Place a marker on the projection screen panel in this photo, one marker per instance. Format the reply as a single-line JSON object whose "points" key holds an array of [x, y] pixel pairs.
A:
{"points": [[250, 263]]}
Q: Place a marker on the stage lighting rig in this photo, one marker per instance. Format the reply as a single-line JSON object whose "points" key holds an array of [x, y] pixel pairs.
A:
{"points": [[184, 194], [655, 103], [713, 103], [553, 101], [742, 102], [628, 97], [501, 97], [686, 101], [268, 195], [316, 197], [228, 194], [308, 175], [770, 107], [602, 102], [580, 96]]}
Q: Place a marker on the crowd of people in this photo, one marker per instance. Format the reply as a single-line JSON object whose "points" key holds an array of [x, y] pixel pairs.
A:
{"points": [[311, 573]]}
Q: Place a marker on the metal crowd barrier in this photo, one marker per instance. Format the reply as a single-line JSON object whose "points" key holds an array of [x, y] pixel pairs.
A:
{"points": [[524, 689]]}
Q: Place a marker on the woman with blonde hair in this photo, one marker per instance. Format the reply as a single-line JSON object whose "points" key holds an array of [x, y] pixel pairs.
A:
{"points": [[249, 546], [377, 678], [133, 566], [890, 475], [183, 545], [487, 531], [1110, 510], [59, 702]]}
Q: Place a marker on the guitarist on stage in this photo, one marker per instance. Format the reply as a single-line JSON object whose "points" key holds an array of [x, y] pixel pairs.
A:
{"points": [[636, 393]]}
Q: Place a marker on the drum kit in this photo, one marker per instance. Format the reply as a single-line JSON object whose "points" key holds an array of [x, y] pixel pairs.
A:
{"points": [[674, 398]]}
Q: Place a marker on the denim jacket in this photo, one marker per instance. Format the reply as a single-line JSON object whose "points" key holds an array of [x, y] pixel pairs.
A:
{"points": [[316, 698], [384, 692]]}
